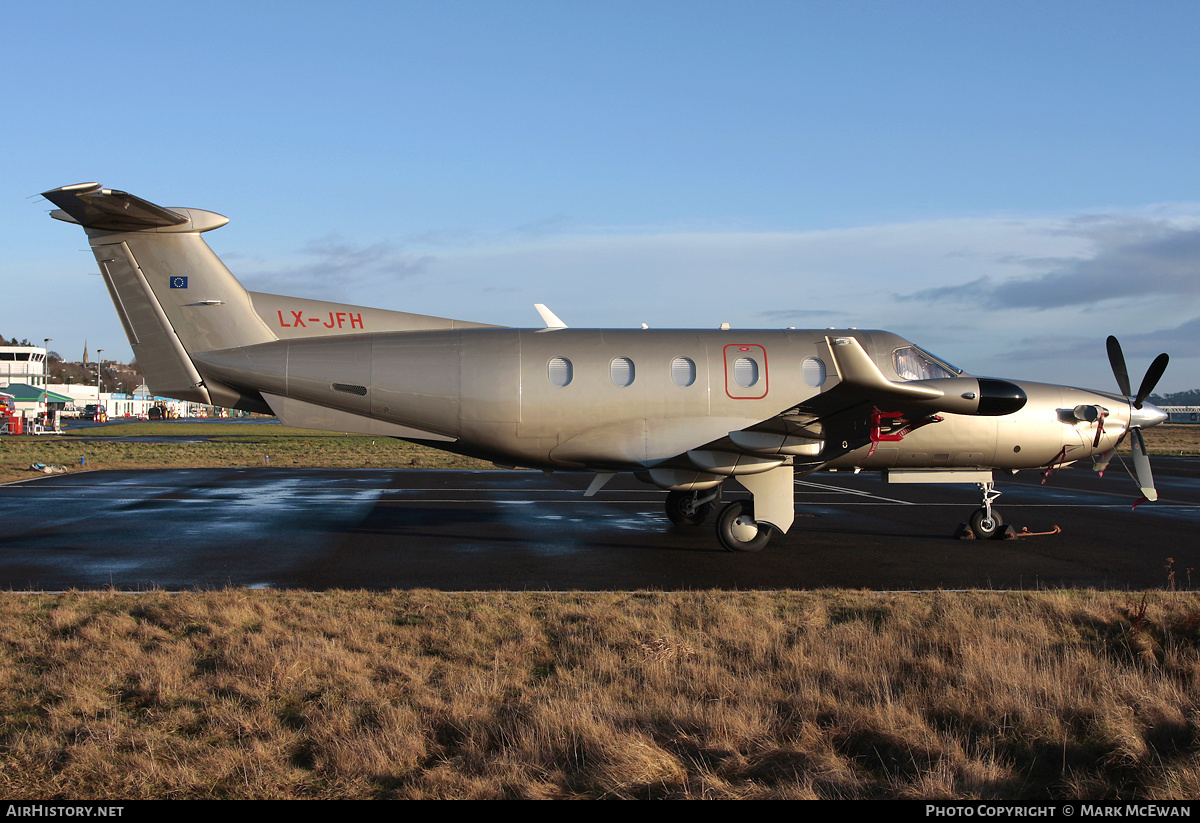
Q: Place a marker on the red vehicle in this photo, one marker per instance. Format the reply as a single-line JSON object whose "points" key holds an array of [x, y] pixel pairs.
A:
{"points": [[9, 422]]}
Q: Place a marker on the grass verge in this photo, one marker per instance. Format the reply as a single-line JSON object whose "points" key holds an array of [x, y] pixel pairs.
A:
{"points": [[268, 694], [232, 445], [251, 444]]}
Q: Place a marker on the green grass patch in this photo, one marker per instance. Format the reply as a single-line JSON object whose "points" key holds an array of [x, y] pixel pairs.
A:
{"points": [[17, 454], [178, 429]]}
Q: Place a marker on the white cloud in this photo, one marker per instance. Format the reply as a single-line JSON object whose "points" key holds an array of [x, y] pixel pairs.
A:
{"points": [[334, 268], [978, 291], [1129, 258]]}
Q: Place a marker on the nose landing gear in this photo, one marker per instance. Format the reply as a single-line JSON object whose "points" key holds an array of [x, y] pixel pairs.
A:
{"points": [[986, 521]]}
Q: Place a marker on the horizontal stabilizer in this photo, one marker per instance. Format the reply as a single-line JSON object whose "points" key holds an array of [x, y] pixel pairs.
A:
{"points": [[109, 210]]}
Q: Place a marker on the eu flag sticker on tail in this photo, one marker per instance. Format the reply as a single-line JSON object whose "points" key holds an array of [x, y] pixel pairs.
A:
{"points": [[179, 282]]}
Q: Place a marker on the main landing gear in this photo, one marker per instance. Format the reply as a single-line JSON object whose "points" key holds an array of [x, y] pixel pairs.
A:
{"points": [[986, 521], [737, 529], [690, 508]]}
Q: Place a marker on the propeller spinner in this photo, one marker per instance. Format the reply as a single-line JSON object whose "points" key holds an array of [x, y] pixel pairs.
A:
{"points": [[1141, 414]]}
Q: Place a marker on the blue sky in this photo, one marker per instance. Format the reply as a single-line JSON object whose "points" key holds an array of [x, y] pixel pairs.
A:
{"points": [[1005, 183]]}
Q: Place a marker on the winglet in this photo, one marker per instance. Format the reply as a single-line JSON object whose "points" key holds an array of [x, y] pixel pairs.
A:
{"points": [[548, 317]]}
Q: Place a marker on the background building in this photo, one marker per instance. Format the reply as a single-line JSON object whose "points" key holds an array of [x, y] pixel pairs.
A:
{"points": [[22, 364], [1182, 414]]}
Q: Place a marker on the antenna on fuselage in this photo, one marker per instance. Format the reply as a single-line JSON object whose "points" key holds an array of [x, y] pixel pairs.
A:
{"points": [[548, 317]]}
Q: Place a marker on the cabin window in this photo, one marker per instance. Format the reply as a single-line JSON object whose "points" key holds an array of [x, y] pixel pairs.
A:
{"points": [[560, 371], [621, 371], [813, 371], [683, 371], [745, 372]]}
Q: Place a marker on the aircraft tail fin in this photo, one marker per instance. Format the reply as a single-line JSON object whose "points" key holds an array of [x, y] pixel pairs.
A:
{"points": [[172, 293], [176, 299]]}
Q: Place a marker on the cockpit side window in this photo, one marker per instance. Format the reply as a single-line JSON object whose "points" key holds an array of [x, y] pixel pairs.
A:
{"points": [[914, 363]]}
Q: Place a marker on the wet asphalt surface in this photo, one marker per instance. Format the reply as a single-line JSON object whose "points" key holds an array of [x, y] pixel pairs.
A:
{"points": [[320, 529]]}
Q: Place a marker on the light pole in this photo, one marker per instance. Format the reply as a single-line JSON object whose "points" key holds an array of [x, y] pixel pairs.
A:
{"points": [[46, 341], [99, 365]]}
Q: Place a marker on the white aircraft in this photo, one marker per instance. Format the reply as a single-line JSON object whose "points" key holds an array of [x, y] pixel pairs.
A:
{"points": [[685, 410]]}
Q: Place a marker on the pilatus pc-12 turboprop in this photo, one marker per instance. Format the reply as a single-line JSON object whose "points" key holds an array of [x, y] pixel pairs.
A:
{"points": [[685, 410]]}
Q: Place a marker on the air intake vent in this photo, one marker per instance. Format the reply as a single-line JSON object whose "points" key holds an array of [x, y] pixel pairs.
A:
{"points": [[349, 388]]}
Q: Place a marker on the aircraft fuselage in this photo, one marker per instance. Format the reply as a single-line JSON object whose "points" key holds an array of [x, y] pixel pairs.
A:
{"points": [[630, 399]]}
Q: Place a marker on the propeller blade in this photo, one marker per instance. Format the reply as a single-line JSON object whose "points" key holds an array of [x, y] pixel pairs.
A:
{"points": [[1141, 465], [1117, 360], [1151, 379]]}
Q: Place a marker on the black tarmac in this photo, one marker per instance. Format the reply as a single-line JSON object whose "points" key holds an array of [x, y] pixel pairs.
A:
{"points": [[516, 530]]}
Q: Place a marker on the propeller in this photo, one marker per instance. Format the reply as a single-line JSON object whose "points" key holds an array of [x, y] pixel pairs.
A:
{"points": [[1137, 417]]}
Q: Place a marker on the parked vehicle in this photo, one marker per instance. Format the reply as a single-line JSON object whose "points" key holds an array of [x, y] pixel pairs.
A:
{"points": [[160, 411]]}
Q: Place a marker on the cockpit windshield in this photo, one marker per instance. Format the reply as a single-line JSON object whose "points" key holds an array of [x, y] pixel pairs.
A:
{"points": [[914, 363]]}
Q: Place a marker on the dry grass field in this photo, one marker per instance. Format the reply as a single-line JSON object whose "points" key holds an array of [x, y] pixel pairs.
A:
{"points": [[263, 694], [1176, 439]]}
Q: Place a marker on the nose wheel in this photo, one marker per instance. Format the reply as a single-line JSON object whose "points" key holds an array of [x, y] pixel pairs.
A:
{"points": [[738, 531], [986, 525], [986, 522]]}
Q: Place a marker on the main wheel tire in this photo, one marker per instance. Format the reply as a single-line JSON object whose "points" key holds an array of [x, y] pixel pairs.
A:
{"points": [[738, 531], [682, 512], [984, 528]]}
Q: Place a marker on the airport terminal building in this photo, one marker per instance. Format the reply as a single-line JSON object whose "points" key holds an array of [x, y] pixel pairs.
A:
{"points": [[1182, 414], [23, 364], [24, 379]]}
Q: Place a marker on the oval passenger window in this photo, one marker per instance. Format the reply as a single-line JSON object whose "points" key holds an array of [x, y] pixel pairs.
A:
{"points": [[621, 371], [560, 371], [745, 372], [683, 371]]}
